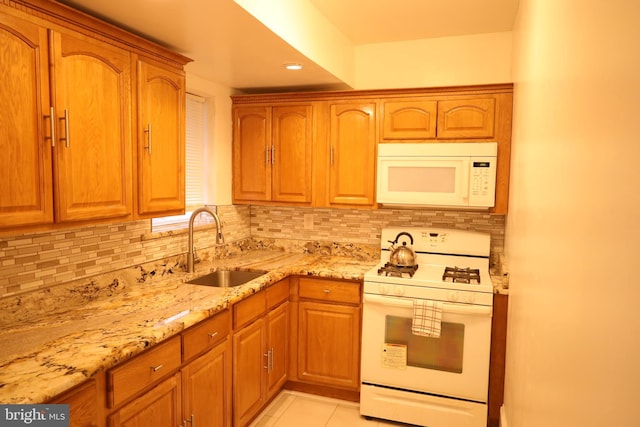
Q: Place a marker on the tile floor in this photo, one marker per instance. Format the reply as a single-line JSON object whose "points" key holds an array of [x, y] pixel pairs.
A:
{"points": [[295, 409]]}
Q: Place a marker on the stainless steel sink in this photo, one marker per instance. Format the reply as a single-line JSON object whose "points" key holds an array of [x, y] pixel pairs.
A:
{"points": [[226, 278]]}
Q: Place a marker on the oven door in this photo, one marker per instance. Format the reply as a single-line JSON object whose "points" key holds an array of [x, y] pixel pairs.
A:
{"points": [[455, 365]]}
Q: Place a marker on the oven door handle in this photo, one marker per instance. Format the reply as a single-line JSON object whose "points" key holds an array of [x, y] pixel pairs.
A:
{"points": [[480, 310]]}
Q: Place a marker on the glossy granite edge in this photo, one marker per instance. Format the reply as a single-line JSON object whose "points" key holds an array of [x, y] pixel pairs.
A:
{"points": [[54, 339]]}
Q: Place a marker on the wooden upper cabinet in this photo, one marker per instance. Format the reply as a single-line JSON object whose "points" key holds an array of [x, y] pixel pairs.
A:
{"points": [[352, 149], [251, 154], [25, 163], [92, 103], [467, 118], [66, 132], [161, 139], [410, 119], [346, 127], [272, 154], [291, 153]]}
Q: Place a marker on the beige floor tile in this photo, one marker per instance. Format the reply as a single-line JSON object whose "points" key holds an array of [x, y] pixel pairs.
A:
{"points": [[307, 412], [349, 416], [264, 421], [295, 409], [280, 404]]}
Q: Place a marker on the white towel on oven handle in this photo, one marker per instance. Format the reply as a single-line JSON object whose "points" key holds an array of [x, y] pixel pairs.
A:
{"points": [[427, 318]]}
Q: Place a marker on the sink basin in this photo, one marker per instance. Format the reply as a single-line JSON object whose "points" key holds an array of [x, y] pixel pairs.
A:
{"points": [[226, 278]]}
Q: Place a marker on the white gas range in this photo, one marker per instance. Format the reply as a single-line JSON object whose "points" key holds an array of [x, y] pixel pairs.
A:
{"points": [[435, 381]]}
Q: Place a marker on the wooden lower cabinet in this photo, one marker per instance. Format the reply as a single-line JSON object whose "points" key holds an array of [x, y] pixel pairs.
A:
{"points": [[206, 388], [260, 352], [329, 344], [326, 333], [159, 407], [85, 409], [198, 388]]}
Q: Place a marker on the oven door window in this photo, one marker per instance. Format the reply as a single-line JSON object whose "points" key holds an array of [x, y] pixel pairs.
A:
{"points": [[442, 354]]}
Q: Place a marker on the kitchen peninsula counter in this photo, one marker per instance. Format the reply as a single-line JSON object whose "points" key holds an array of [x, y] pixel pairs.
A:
{"points": [[57, 338]]}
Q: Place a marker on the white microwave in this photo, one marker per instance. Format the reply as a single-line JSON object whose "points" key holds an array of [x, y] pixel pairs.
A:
{"points": [[451, 174]]}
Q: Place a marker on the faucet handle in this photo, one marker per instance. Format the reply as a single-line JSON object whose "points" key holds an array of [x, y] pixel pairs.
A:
{"points": [[196, 258]]}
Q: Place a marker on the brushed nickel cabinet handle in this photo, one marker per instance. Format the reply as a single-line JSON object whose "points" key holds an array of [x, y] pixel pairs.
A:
{"points": [[331, 155], [52, 126], [212, 334], [67, 137], [157, 368], [191, 420], [273, 154], [266, 155], [149, 138], [326, 291]]}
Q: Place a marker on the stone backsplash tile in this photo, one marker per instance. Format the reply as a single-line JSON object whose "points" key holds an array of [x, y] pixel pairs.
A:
{"points": [[363, 226], [41, 260]]}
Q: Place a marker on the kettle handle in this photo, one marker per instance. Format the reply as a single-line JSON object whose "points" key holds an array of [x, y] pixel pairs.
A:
{"points": [[404, 233]]}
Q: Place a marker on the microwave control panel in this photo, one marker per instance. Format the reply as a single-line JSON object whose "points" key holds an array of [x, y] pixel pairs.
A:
{"points": [[482, 181]]}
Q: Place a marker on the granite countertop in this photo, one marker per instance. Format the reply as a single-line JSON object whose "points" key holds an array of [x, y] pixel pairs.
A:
{"points": [[54, 339]]}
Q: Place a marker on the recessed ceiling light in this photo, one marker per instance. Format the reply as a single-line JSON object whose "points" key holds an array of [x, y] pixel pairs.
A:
{"points": [[293, 66]]}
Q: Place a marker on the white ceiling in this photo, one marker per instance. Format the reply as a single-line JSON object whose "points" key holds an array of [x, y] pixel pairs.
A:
{"points": [[229, 46]]}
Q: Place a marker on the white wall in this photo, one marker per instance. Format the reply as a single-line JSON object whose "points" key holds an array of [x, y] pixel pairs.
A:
{"points": [[573, 349], [445, 61], [308, 31]]}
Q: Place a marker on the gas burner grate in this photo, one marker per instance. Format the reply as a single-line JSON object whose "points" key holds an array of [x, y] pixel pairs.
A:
{"points": [[393, 270], [461, 275]]}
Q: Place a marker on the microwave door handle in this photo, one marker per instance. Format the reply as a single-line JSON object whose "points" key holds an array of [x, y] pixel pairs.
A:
{"points": [[465, 180], [446, 308]]}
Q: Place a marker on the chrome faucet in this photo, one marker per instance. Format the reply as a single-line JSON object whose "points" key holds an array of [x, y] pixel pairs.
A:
{"points": [[192, 249]]}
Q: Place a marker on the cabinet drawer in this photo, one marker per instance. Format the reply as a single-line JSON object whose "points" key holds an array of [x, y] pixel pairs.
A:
{"points": [[329, 290], [249, 309], [129, 378], [277, 293], [205, 334]]}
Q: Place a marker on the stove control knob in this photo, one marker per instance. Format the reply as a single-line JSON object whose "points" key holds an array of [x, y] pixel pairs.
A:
{"points": [[471, 298], [452, 296], [384, 289]]}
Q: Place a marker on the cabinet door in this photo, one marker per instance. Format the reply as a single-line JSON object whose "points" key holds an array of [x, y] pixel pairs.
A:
{"points": [[412, 119], [207, 387], [25, 138], [159, 407], [251, 154], [352, 143], [291, 154], [92, 86], [277, 348], [83, 404], [329, 344], [161, 139], [249, 365], [466, 118]]}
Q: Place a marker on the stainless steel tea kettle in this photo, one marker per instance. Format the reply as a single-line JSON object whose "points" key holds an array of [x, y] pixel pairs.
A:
{"points": [[402, 256]]}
